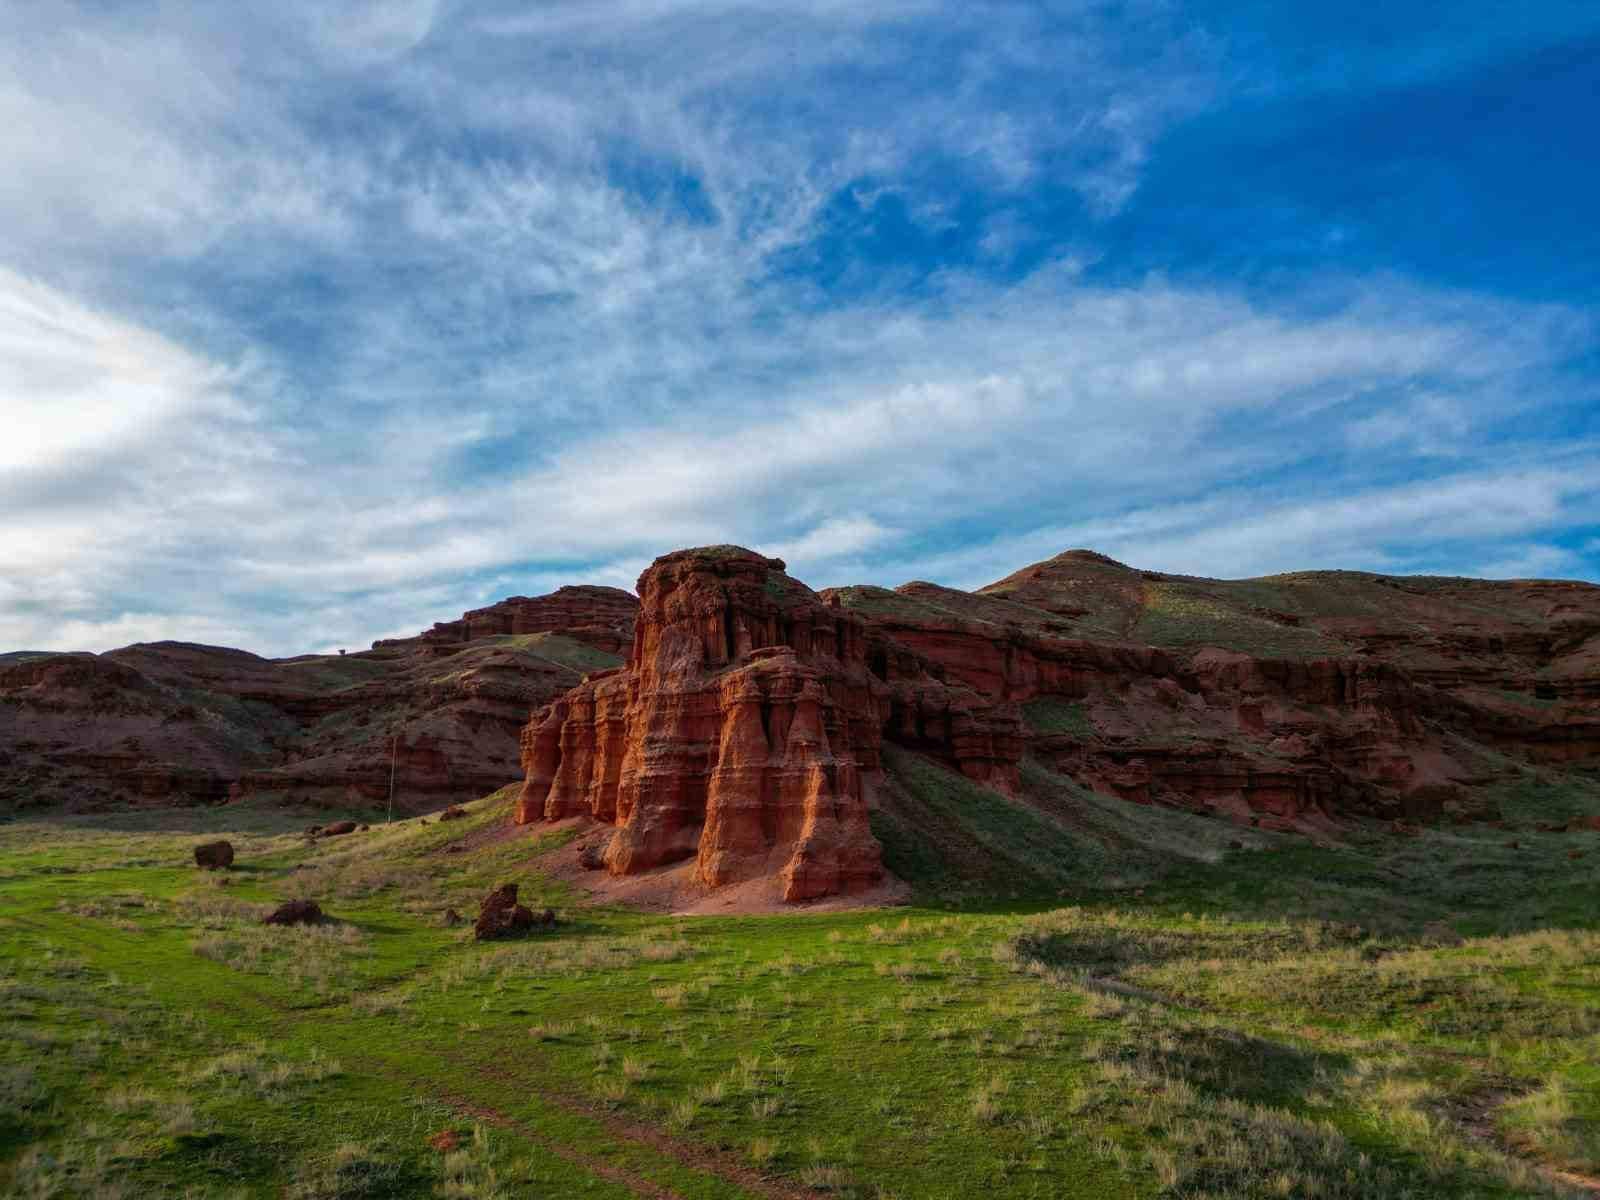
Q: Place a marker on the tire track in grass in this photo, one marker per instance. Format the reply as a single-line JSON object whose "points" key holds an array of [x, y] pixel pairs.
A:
{"points": [[239, 999], [610, 1172], [727, 1168], [1474, 1114], [724, 1165]]}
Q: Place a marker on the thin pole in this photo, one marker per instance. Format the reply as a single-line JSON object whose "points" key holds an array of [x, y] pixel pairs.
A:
{"points": [[394, 748]]}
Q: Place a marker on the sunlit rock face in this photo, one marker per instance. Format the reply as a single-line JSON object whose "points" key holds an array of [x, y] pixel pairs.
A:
{"points": [[738, 733]]}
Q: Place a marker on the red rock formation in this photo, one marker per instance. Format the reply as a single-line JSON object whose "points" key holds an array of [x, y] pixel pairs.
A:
{"points": [[1262, 697], [745, 730], [738, 733], [600, 616], [499, 915], [173, 722]]}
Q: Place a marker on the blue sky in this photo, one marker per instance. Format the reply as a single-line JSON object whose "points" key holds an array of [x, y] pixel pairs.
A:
{"points": [[322, 323]]}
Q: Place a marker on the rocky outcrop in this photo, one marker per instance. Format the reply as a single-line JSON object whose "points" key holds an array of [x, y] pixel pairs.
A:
{"points": [[499, 915], [295, 912], [599, 616], [1261, 699], [176, 723], [746, 727], [739, 733]]}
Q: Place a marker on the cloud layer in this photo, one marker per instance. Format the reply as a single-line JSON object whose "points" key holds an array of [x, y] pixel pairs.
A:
{"points": [[316, 329]]}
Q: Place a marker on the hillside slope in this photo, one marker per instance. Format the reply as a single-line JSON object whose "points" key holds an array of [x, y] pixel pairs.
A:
{"points": [[176, 722]]}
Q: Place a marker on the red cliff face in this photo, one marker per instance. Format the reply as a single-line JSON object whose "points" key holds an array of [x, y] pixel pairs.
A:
{"points": [[738, 733], [1329, 693], [598, 616], [745, 730], [169, 722]]}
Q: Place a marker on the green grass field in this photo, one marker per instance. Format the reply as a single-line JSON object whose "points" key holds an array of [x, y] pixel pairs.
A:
{"points": [[1110, 1003]]}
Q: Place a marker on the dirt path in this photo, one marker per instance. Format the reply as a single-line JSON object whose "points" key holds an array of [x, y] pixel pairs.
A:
{"points": [[728, 1167], [1474, 1115], [632, 1180]]}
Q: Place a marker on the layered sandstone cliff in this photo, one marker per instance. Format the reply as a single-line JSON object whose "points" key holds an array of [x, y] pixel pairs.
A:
{"points": [[598, 616], [739, 733], [1316, 694], [745, 729], [175, 722]]}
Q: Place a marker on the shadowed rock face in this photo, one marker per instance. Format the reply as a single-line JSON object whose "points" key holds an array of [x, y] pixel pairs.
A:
{"points": [[1329, 693]]}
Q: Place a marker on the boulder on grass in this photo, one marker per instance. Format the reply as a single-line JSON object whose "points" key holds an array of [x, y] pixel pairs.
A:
{"points": [[454, 813], [339, 827], [214, 856], [499, 915], [295, 912]]}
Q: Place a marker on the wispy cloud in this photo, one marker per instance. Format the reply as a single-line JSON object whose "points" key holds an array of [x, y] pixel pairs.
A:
{"points": [[322, 324]]}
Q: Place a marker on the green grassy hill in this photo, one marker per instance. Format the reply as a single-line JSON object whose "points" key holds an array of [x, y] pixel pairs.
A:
{"points": [[1084, 998]]}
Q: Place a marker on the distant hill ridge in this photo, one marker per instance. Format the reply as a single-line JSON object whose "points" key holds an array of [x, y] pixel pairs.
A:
{"points": [[1285, 701]]}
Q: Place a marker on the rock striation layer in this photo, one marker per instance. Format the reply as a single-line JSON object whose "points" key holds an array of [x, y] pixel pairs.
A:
{"points": [[597, 616], [1315, 694]]}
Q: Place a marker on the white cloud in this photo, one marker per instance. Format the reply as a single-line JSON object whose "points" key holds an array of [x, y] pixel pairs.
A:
{"points": [[1047, 398], [74, 381], [1533, 562], [317, 323], [1238, 532]]}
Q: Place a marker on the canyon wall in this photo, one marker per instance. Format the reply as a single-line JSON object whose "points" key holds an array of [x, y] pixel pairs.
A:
{"points": [[745, 729], [175, 722]]}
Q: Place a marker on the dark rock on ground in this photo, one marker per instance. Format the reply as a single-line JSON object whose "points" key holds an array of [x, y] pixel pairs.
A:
{"points": [[214, 856], [295, 912], [499, 915]]}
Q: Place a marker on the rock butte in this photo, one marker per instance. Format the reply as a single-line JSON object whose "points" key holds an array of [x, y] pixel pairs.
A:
{"points": [[738, 733], [745, 729]]}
